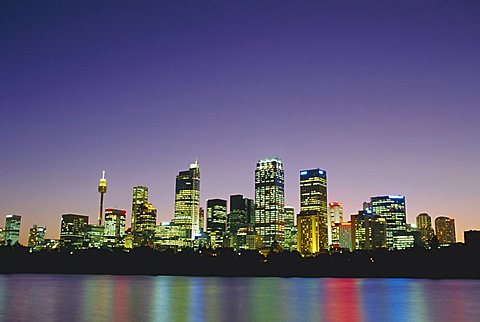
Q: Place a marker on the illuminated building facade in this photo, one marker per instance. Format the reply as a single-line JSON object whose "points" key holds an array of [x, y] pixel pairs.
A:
{"points": [[345, 235], [445, 230], [290, 229], [313, 198], [187, 203], [368, 230], [308, 232], [392, 209], [270, 201], [140, 197], [145, 223], [102, 189], [335, 217], [114, 233], [36, 237], [94, 234], [424, 225], [167, 237], [12, 229], [216, 221], [72, 230], [242, 212], [2, 237]]}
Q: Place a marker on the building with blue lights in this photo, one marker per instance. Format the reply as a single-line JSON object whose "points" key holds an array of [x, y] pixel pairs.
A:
{"points": [[392, 209]]}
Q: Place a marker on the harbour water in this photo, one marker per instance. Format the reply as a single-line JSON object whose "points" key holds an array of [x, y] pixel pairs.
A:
{"points": [[174, 298]]}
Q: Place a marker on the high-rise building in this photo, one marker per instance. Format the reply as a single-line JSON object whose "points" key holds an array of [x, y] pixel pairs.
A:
{"points": [[345, 235], [36, 237], [201, 220], [368, 230], [335, 217], [392, 209], [94, 235], [187, 203], [313, 198], [12, 229], [308, 232], [445, 230], [270, 201], [72, 230], [102, 189], [114, 233], [216, 221], [424, 225], [140, 197], [242, 212], [472, 238], [290, 229], [2, 237], [145, 223]]}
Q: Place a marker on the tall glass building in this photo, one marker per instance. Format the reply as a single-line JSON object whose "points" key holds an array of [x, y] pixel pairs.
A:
{"points": [[72, 230], [144, 233], [445, 230], [36, 237], [187, 203], [392, 209], [424, 225], [216, 221], [140, 197], [114, 233], [270, 201], [313, 199], [335, 217], [12, 229]]}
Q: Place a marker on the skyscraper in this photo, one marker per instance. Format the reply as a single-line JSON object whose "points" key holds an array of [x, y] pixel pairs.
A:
{"points": [[102, 189], [424, 225], [308, 232], [216, 221], [242, 212], [72, 230], [270, 201], [145, 223], [114, 232], [12, 229], [36, 237], [290, 229], [392, 209], [335, 217], [313, 199], [187, 203], [368, 230], [445, 230], [140, 197]]}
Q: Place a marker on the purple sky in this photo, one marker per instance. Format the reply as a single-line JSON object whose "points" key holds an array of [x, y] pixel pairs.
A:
{"points": [[384, 95]]}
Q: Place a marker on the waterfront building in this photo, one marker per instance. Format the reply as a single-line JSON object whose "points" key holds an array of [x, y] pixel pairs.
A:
{"points": [[345, 235], [445, 230], [72, 230], [368, 230], [187, 203], [313, 199], [308, 232], [201, 220], [145, 223], [167, 236], [36, 237], [290, 229], [115, 221], [472, 238], [335, 217], [102, 189], [216, 221], [242, 212], [12, 229], [270, 201], [2, 237], [424, 225], [392, 209], [140, 197], [94, 234], [254, 241]]}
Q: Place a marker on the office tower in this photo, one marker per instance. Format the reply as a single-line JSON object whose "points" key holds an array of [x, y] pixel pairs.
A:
{"points": [[187, 203], [445, 230], [424, 225], [308, 232], [368, 230], [102, 189], [114, 231], [94, 236], [345, 235], [313, 198], [140, 197], [290, 229], [12, 229], [36, 237], [145, 223], [2, 237], [270, 201], [167, 237], [201, 220], [216, 221], [242, 213], [72, 230], [335, 217], [392, 209], [472, 238]]}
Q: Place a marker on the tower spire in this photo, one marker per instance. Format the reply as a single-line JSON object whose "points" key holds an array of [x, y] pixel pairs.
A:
{"points": [[102, 189]]}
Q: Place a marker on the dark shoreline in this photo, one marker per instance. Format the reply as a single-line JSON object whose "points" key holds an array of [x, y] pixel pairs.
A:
{"points": [[449, 263]]}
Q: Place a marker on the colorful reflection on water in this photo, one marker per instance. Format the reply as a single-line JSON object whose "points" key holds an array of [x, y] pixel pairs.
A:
{"points": [[170, 298]]}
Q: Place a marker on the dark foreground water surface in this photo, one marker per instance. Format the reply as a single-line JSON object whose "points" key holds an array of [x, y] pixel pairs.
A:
{"points": [[169, 298]]}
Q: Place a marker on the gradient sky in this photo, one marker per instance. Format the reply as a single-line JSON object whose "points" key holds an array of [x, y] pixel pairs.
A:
{"points": [[384, 95]]}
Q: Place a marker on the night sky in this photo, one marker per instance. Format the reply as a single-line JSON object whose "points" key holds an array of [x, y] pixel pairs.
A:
{"points": [[384, 95]]}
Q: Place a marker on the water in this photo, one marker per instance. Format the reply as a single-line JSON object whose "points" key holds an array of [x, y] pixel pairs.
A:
{"points": [[170, 298]]}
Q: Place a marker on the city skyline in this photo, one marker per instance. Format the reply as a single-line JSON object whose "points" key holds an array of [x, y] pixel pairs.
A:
{"points": [[383, 96]]}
